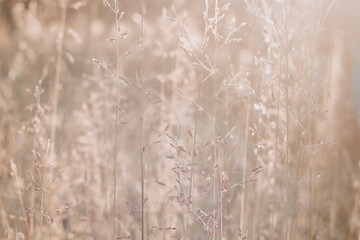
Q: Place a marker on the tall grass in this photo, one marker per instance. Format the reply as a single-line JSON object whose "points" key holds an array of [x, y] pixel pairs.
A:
{"points": [[212, 119]]}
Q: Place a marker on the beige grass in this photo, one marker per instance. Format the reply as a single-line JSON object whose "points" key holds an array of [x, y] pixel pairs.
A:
{"points": [[157, 119]]}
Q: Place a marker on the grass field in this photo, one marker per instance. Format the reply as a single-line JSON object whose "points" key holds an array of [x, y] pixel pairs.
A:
{"points": [[179, 119]]}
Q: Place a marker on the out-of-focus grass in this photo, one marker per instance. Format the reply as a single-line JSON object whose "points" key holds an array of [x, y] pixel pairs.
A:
{"points": [[189, 119]]}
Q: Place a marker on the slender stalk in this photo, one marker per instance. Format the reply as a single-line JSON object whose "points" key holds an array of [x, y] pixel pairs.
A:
{"points": [[276, 199], [215, 151], [117, 22], [242, 208], [60, 46], [247, 123], [193, 151], [42, 181], [287, 116], [34, 143], [141, 127], [42, 210], [227, 158], [192, 176], [254, 119]]}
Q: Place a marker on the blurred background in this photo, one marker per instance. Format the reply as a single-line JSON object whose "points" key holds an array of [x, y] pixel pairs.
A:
{"points": [[179, 119]]}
